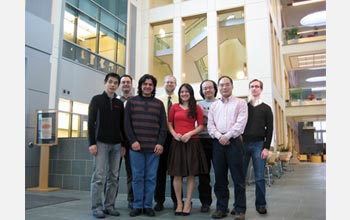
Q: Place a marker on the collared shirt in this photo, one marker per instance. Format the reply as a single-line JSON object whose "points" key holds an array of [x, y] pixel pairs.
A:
{"points": [[256, 102], [164, 99], [227, 117]]}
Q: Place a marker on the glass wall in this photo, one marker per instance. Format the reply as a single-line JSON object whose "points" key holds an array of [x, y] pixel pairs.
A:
{"points": [[196, 49], [163, 50], [232, 44], [94, 36]]}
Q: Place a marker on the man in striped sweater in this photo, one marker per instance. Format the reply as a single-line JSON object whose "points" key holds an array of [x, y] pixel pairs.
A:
{"points": [[146, 129]]}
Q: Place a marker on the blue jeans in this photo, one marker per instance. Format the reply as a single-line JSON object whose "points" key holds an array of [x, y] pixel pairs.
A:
{"points": [[229, 157], [144, 167], [106, 168], [253, 150]]}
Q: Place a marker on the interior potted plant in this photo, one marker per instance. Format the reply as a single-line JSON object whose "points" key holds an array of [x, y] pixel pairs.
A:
{"points": [[292, 34]]}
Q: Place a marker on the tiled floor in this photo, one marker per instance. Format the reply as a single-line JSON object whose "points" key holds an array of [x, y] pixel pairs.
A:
{"points": [[297, 195]]}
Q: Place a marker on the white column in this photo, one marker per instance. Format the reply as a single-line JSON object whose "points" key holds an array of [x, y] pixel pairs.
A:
{"points": [[213, 56], [178, 49], [57, 21]]}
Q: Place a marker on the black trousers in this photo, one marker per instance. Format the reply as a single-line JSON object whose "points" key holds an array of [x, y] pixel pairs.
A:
{"points": [[128, 176], [159, 193], [204, 187]]}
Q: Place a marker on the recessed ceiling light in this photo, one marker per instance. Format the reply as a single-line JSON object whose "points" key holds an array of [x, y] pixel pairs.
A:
{"points": [[316, 79], [314, 19], [230, 17], [318, 89]]}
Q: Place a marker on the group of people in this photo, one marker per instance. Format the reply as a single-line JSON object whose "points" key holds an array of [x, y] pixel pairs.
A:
{"points": [[177, 136]]}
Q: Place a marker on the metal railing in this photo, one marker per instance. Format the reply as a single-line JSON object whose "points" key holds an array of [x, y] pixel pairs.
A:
{"points": [[306, 96], [88, 58], [303, 34]]}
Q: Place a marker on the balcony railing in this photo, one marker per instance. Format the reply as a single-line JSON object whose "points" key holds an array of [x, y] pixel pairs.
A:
{"points": [[303, 34], [88, 58], [306, 96]]}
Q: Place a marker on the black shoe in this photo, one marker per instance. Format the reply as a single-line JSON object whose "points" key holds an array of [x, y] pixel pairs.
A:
{"points": [[187, 213], [158, 207], [205, 208], [233, 212], [149, 212], [98, 214], [130, 205], [261, 210], [218, 214], [113, 212], [178, 213], [135, 212]]}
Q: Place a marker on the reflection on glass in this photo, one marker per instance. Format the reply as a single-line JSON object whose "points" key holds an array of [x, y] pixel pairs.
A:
{"points": [[86, 32], [121, 51], [69, 23], [108, 44]]}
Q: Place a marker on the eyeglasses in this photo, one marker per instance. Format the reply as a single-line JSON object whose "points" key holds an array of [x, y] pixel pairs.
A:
{"points": [[208, 88], [169, 82], [254, 86]]}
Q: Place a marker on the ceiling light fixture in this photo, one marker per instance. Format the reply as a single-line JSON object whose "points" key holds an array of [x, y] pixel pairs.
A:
{"points": [[297, 3], [316, 79], [314, 19]]}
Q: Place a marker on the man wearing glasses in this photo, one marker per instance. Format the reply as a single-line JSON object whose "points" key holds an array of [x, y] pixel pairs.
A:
{"points": [[257, 138], [227, 119]]}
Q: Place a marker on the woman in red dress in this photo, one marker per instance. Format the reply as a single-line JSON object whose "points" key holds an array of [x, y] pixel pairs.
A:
{"points": [[186, 156]]}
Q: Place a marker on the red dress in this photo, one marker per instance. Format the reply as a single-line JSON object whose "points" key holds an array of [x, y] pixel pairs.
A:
{"points": [[186, 159]]}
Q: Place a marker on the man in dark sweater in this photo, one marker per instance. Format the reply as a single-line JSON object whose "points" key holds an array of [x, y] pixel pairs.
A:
{"points": [[106, 134], [257, 138], [146, 130]]}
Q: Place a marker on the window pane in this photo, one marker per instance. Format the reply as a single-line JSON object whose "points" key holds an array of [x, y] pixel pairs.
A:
{"points": [[75, 126], [109, 21], [122, 29], [64, 105], [121, 51], [73, 2], [120, 70], [68, 50], [63, 124], [88, 7], [70, 16], [80, 108], [86, 32], [108, 44], [85, 128]]}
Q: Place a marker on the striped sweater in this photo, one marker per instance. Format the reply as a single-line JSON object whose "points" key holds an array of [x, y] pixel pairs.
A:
{"points": [[145, 122]]}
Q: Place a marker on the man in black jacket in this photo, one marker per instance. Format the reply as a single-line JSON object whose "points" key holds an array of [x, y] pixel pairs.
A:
{"points": [[257, 138], [106, 135]]}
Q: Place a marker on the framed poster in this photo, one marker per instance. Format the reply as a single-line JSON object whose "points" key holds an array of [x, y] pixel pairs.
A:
{"points": [[46, 127]]}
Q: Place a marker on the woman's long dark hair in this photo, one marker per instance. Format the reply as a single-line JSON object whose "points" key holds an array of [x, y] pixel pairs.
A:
{"points": [[192, 103]]}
